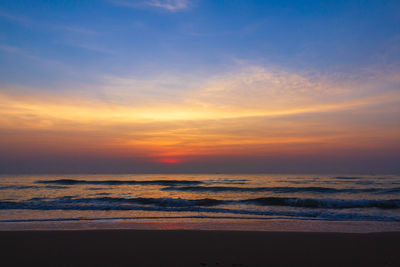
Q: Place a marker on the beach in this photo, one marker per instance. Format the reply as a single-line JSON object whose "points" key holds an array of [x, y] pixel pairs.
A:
{"points": [[197, 248]]}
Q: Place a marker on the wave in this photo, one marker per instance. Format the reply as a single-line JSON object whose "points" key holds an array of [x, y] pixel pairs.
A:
{"points": [[120, 182], [347, 177], [18, 187], [285, 189], [22, 187], [70, 202], [228, 181], [179, 205], [266, 201], [392, 190], [326, 203], [282, 189], [161, 202]]}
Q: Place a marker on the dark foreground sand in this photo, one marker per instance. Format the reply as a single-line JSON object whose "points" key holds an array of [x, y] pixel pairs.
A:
{"points": [[197, 248]]}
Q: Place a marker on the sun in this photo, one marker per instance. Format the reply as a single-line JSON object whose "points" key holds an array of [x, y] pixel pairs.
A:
{"points": [[169, 160]]}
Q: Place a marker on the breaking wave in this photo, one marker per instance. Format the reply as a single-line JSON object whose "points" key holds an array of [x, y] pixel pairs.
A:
{"points": [[103, 203], [209, 206], [285, 189]]}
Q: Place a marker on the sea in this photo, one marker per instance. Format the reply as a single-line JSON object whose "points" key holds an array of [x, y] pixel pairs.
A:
{"points": [[247, 202]]}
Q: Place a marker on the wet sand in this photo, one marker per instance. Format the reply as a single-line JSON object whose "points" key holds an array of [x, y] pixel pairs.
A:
{"points": [[197, 248]]}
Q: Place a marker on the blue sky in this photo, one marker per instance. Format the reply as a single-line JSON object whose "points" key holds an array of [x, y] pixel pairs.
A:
{"points": [[144, 78], [54, 38]]}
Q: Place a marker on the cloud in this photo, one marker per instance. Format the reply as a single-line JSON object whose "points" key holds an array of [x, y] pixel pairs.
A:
{"points": [[11, 49], [77, 29], [169, 5], [25, 53], [252, 110], [251, 91], [92, 47], [18, 19]]}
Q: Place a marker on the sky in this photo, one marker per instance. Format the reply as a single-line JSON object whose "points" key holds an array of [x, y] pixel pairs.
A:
{"points": [[133, 86]]}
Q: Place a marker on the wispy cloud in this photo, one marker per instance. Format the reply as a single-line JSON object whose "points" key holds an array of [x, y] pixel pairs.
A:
{"points": [[14, 18], [92, 47], [169, 5], [250, 111], [77, 29], [249, 92], [10, 49], [37, 58]]}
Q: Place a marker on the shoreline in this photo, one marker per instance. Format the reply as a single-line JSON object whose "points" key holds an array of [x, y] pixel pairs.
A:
{"points": [[217, 224], [197, 248]]}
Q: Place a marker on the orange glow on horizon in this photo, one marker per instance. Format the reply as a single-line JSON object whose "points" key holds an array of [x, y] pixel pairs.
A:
{"points": [[221, 119], [169, 160]]}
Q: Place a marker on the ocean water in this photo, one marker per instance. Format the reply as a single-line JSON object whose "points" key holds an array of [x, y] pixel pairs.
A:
{"points": [[201, 201]]}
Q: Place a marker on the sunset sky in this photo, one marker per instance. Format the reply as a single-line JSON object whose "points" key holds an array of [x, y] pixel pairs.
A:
{"points": [[199, 86]]}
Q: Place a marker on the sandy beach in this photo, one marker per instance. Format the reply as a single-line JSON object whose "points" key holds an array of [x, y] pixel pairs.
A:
{"points": [[197, 248]]}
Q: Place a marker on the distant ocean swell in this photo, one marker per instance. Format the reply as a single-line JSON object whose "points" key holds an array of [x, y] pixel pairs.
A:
{"points": [[120, 182], [218, 189], [196, 186], [287, 189]]}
